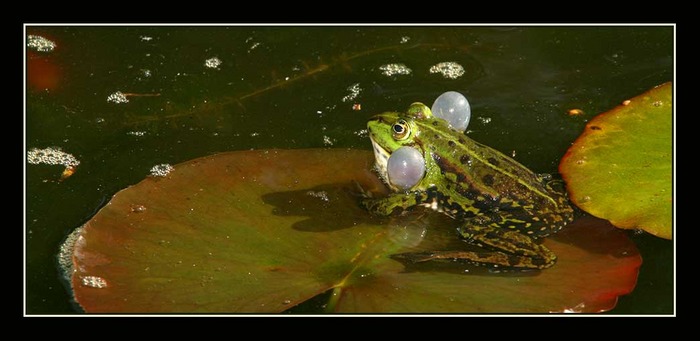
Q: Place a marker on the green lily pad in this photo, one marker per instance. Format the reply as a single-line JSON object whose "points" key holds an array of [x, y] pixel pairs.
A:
{"points": [[620, 167], [263, 231]]}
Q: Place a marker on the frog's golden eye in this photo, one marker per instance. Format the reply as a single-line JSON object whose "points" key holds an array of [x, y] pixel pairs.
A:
{"points": [[400, 129]]}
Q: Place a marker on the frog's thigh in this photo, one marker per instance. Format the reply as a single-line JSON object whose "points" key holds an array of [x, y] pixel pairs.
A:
{"points": [[508, 241]]}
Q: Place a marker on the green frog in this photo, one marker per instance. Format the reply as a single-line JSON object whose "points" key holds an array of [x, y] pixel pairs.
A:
{"points": [[503, 207]]}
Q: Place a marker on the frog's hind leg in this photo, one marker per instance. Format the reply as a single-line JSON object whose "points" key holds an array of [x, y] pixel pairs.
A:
{"points": [[510, 248], [491, 259], [518, 250]]}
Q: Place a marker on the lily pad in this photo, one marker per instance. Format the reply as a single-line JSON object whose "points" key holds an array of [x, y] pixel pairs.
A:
{"points": [[263, 231], [620, 168]]}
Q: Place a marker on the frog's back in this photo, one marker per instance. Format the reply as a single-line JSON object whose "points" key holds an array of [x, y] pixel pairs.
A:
{"points": [[481, 169], [507, 177], [487, 176]]}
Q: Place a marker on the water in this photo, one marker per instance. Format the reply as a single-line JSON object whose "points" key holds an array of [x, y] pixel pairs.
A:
{"points": [[195, 91]]}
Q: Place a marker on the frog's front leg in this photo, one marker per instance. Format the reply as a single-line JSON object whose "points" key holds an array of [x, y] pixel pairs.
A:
{"points": [[386, 205], [510, 248]]}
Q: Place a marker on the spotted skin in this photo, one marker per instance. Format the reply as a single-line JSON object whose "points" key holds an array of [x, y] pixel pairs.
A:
{"points": [[504, 207]]}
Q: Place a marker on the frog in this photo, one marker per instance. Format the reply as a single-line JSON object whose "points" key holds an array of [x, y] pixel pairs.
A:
{"points": [[501, 206]]}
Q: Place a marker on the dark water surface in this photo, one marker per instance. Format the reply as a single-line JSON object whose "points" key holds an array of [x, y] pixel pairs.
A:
{"points": [[284, 87]]}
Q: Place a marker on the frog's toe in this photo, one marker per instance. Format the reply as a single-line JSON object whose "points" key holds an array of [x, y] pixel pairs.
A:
{"points": [[369, 204], [419, 257], [413, 257], [360, 191]]}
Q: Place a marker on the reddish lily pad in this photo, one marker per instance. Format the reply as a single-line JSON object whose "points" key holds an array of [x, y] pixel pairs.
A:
{"points": [[620, 168], [43, 73], [263, 231]]}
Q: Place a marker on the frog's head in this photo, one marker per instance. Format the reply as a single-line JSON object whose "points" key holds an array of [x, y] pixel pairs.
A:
{"points": [[391, 131]]}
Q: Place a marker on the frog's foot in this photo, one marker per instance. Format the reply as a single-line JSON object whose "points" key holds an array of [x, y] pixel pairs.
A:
{"points": [[368, 201], [396, 202], [492, 259], [375, 206]]}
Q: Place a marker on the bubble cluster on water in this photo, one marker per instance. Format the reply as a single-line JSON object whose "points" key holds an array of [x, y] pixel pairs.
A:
{"points": [[395, 69], [94, 282], [361, 133], [65, 254], [117, 97], [323, 195], [327, 141], [405, 39], [136, 133], [161, 170], [138, 208], [354, 92], [212, 63], [253, 44], [51, 156], [450, 70], [40, 44], [484, 120]]}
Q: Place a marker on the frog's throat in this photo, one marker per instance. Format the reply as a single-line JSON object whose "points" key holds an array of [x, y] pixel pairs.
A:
{"points": [[382, 157]]}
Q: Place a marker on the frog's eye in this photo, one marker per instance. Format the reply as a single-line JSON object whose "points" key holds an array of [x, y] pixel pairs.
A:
{"points": [[400, 129]]}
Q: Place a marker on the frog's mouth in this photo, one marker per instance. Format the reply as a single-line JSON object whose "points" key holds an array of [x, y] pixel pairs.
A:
{"points": [[381, 156]]}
